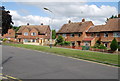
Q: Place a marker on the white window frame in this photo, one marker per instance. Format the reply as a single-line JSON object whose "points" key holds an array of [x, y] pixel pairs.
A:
{"points": [[64, 35], [25, 33], [25, 40], [33, 39], [33, 34], [116, 34], [71, 35], [105, 34], [97, 34]]}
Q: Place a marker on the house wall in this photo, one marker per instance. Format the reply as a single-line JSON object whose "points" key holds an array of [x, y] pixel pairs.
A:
{"points": [[76, 38], [104, 40], [41, 39], [10, 35]]}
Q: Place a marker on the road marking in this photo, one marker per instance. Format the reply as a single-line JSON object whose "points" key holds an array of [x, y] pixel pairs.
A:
{"points": [[2, 76]]}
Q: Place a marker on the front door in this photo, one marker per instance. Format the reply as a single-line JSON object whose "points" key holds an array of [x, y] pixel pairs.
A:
{"points": [[78, 43]]}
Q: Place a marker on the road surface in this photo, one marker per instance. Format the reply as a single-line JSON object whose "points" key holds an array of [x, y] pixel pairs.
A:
{"points": [[29, 64]]}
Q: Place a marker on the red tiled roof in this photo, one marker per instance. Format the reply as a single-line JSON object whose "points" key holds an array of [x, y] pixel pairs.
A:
{"points": [[40, 28], [74, 27]]}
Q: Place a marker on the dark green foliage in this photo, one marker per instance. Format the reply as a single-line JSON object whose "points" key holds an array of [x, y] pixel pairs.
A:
{"points": [[114, 45], [15, 28], [113, 16], [59, 39], [98, 42], [102, 47], [98, 45], [6, 20], [53, 34], [66, 43], [118, 48]]}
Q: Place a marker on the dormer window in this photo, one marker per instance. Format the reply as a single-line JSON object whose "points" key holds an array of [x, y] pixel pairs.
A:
{"points": [[33, 34], [26, 33]]}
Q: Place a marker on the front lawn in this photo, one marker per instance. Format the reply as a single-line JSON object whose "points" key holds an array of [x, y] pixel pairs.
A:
{"points": [[111, 59]]}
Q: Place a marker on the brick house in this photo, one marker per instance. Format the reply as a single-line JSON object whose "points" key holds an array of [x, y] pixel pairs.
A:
{"points": [[86, 34], [106, 33], [10, 35], [75, 32], [34, 34]]}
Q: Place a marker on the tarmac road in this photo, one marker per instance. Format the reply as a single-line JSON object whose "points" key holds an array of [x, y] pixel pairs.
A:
{"points": [[30, 64]]}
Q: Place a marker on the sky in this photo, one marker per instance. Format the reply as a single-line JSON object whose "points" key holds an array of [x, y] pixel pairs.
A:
{"points": [[34, 13]]}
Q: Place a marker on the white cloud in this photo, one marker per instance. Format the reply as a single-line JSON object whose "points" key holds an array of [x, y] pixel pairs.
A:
{"points": [[65, 11]]}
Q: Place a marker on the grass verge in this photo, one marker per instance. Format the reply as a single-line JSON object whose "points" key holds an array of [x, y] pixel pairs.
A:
{"points": [[110, 59]]}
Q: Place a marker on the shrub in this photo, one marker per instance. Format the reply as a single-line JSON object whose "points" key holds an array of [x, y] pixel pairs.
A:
{"points": [[1, 39], [83, 47], [102, 47], [118, 48], [114, 45], [59, 39], [66, 43], [98, 42], [96, 45], [4, 40]]}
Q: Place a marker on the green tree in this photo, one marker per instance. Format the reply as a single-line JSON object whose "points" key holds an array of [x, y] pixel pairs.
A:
{"points": [[6, 20], [114, 45], [53, 34], [101, 46], [15, 28], [113, 16], [98, 42], [59, 40]]}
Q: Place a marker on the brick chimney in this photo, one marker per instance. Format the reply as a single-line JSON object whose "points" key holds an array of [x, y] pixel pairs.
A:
{"points": [[83, 20], [69, 21], [27, 23]]}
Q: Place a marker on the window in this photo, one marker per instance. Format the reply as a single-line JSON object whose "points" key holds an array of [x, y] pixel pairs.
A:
{"points": [[105, 34], [105, 44], [64, 35], [33, 34], [98, 34], [58, 34], [72, 35], [33, 40], [79, 35], [116, 34], [25, 40], [26, 34], [92, 35]]}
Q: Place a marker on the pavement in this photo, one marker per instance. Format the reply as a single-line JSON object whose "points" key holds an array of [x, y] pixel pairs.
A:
{"points": [[29, 64]]}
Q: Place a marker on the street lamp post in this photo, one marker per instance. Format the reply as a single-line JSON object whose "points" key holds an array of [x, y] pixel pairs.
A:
{"points": [[51, 28]]}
